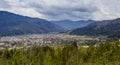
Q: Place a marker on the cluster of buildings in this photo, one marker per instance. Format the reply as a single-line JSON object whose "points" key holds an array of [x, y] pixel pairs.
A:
{"points": [[26, 41]]}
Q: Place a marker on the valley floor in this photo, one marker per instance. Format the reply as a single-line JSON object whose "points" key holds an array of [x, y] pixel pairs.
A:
{"points": [[26, 41]]}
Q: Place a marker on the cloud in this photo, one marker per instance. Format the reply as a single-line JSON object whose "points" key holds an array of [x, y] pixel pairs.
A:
{"points": [[4, 4], [64, 9]]}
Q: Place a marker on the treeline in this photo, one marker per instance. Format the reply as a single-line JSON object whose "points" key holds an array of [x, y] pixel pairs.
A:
{"points": [[107, 53]]}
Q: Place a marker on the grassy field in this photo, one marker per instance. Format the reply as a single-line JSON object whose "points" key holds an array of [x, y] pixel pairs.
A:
{"points": [[106, 53]]}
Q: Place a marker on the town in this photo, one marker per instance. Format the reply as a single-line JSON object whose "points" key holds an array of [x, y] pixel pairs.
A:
{"points": [[26, 41]]}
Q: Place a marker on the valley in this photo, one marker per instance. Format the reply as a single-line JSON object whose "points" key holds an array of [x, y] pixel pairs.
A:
{"points": [[26, 41], [59, 32]]}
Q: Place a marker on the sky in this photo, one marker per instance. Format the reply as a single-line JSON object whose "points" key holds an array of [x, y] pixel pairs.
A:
{"points": [[64, 9]]}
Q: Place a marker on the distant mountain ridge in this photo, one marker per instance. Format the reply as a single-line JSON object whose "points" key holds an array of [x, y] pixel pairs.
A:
{"points": [[14, 24], [109, 28], [70, 25]]}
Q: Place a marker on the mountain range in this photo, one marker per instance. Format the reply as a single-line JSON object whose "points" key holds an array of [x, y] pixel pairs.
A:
{"points": [[70, 25], [14, 24], [110, 28]]}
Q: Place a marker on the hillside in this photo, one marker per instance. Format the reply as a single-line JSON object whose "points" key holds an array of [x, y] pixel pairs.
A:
{"points": [[13, 24], [109, 28]]}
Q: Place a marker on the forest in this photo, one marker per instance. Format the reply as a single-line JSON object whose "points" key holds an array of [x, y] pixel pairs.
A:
{"points": [[105, 53]]}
